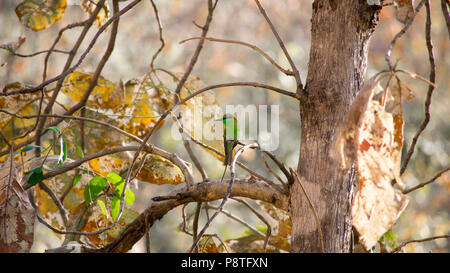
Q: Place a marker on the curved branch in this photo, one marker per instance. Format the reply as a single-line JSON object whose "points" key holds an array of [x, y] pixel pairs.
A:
{"points": [[200, 192], [387, 57], [280, 42], [199, 47], [421, 185], [81, 58], [420, 241], [161, 39], [255, 48], [227, 194], [432, 80]]}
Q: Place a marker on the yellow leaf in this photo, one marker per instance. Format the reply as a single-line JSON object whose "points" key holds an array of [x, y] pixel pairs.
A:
{"points": [[105, 164], [40, 14], [159, 171], [105, 95]]}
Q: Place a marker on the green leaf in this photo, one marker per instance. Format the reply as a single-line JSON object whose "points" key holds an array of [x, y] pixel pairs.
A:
{"points": [[52, 128], [114, 178], [36, 175], [77, 179], [389, 239], [80, 151], [129, 195], [93, 188], [115, 207], [29, 147], [102, 207]]}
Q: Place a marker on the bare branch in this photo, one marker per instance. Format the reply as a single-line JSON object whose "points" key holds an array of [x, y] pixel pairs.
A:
{"points": [[444, 6], [269, 228], [400, 34], [155, 10], [420, 241], [421, 185], [199, 47], [81, 58], [41, 121], [227, 194], [239, 220], [200, 192], [280, 42], [430, 87], [255, 48]]}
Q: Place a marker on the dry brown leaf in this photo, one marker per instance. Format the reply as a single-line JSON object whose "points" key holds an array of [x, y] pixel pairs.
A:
{"points": [[377, 204], [404, 10], [16, 218], [158, 170], [372, 136], [344, 146]]}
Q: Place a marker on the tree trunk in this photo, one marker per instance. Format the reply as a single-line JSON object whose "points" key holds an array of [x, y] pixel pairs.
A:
{"points": [[338, 58]]}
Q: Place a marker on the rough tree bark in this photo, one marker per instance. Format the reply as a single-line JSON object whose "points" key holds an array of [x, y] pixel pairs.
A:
{"points": [[338, 58]]}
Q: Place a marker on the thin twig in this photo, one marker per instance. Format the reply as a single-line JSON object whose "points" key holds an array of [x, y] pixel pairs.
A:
{"points": [[400, 34], [38, 53], [420, 241], [430, 88], [269, 227], [319, 229], [239, 220], [58, 203], [421, 185], [70, 58], [250, 171], [270, 169], [81, 58], [281, 43], [161, 39], [55, 42], [187, 146], [255, 48], [444, 7], [199, 47], [227, 194], [195, 223]]}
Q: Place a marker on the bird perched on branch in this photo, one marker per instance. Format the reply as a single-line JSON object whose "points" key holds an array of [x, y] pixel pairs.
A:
{"points": [[230, 139]]}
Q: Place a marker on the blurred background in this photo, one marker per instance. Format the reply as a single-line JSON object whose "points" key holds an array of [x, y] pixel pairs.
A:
{"points": [[138, 39]]}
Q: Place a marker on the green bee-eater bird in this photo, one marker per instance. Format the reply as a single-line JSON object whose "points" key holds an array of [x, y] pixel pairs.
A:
{"points": [[230, 136]]}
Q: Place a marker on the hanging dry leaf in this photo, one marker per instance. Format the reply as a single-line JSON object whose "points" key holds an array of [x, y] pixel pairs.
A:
{"points": [[404, 10], [344, 146], [372, 136], [17, 216], [377, 204]]}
